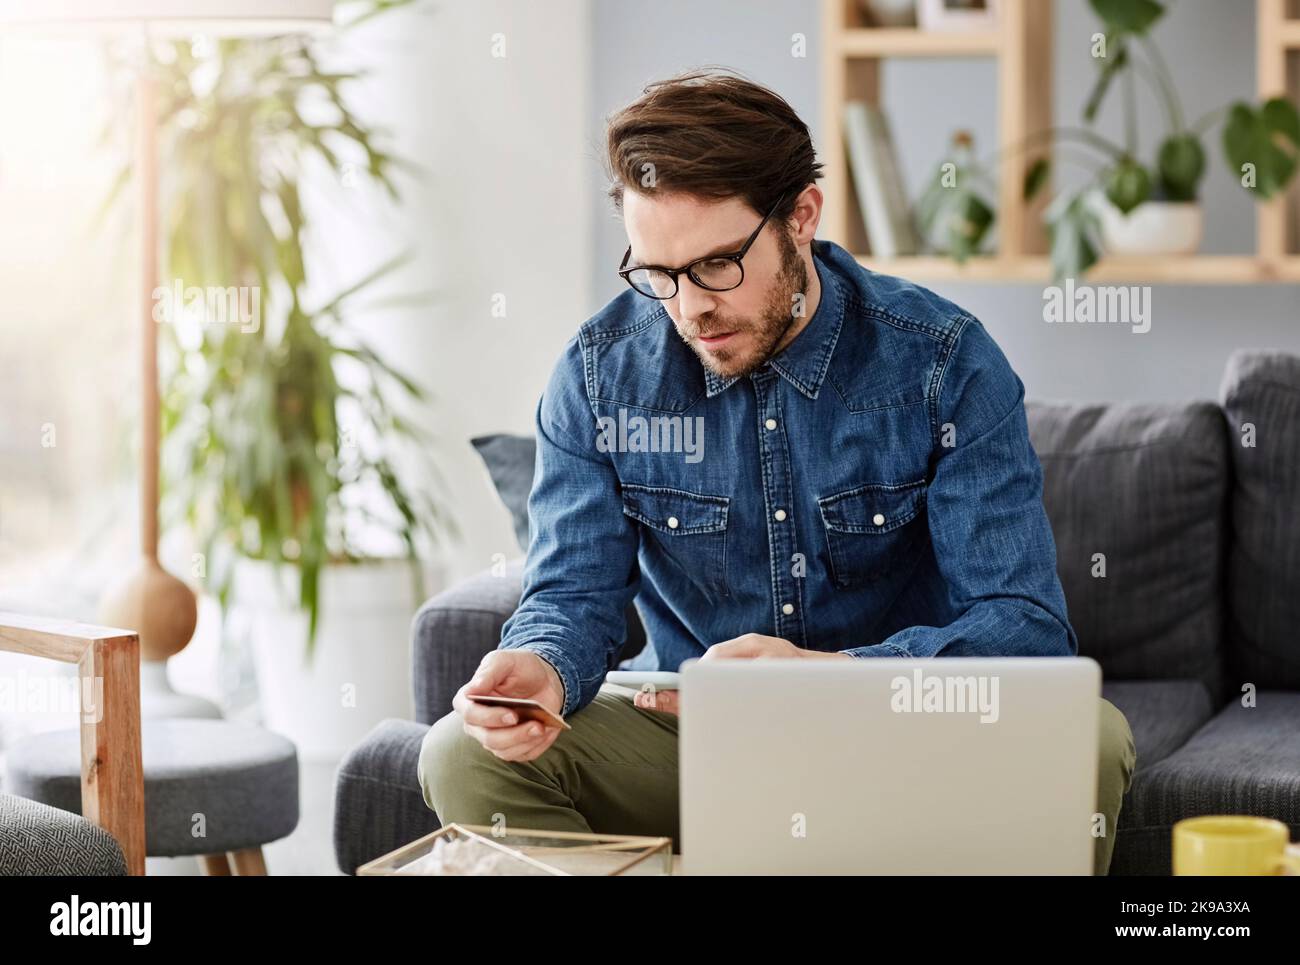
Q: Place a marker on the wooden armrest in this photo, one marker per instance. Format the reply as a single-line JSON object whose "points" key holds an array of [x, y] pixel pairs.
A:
{"points": [[112, 769]]}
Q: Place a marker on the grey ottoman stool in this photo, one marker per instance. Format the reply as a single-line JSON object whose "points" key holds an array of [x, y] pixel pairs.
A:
{"points": [[212, 788]]}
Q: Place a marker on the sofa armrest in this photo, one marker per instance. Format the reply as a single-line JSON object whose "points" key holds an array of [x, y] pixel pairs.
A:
{"points": [[379, 805], [453, 631]]}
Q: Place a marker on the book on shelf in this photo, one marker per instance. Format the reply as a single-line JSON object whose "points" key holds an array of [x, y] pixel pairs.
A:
{"points": [[873, 163]]}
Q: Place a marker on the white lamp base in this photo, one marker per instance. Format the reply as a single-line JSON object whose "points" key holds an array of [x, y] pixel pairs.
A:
{"points": [[158, 699]]}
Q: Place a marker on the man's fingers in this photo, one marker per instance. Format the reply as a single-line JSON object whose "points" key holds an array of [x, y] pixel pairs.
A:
{"points": [[747, 646], [667, 701], [504, 738], [529, 751], [486, 677], [482, 715], [492, 673], [501, 738], [494, 670], [470, 709], [729, 649]]}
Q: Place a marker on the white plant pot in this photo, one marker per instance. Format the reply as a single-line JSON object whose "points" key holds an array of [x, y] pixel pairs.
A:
{"points": [[360, 672], [1152, 228]]}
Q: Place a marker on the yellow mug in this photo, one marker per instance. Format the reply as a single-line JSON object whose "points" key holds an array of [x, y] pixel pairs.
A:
{"points": [[1234, 844]]}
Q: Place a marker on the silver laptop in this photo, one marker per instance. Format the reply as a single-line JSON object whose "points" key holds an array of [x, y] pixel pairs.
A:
{"points": [[951, 765]]}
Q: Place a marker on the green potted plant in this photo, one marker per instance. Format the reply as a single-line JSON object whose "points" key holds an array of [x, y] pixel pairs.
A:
{"points": [[284, 436], [954, 212], [1129, 205]]}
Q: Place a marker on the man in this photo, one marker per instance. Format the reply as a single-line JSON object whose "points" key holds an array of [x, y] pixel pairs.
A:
{"points": [[778, 453]]}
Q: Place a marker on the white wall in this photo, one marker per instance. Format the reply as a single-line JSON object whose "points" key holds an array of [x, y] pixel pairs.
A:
{"points": [[501, 208]]}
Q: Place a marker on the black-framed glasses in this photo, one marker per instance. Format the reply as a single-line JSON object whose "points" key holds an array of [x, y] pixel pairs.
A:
{"points": [[716, 273]]}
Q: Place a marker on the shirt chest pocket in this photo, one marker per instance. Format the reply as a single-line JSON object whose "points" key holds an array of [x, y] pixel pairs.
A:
{"points": [[873, 530], [687, 530]]}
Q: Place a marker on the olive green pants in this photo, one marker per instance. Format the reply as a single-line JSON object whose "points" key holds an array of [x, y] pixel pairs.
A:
{"points": [[615, 772]]}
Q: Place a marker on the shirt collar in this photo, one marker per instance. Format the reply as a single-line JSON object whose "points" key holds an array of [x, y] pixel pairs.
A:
{"points": [[804, 361]]}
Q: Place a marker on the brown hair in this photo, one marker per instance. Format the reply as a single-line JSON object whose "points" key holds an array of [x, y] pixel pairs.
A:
{"points": [[712, 134]]}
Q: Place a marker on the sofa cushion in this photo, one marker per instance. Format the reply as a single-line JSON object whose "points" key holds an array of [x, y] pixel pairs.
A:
{"points": [[1246, 760], [1142, 489], [1163, 714], [1261, 400], [510, 460]]}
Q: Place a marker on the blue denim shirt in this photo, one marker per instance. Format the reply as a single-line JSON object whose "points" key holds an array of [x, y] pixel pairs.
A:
{"points": [[871, 489]]}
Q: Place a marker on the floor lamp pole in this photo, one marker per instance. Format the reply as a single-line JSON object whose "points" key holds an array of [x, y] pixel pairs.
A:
{"points": [[161, 608], [146, 152]]}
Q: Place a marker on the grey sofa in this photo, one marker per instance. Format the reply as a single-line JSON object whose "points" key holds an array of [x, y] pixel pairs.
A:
{"points": [[1178, 546]]}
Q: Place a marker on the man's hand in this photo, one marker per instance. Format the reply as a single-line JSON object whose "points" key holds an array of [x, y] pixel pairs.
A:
{"points": [[749, 646], [756, 645], [665, 701], [511, 673]]}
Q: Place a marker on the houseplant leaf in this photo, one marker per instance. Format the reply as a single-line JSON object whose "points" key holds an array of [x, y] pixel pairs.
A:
{"points": [[1180, 162], [1131, 16], [966, 224], [1036, 177], [1127, 185], [1072, 229], [1260, 145]]}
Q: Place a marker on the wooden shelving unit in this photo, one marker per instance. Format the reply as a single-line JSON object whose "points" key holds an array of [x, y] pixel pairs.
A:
{"points": [[908, 42], [1022, 45], [1156, 269], [1277, 71]]}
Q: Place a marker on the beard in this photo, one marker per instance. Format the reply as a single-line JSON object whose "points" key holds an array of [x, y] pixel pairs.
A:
{"points": [[765, 332]]}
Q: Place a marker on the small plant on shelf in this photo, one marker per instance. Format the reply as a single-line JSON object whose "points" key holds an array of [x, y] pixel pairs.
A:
{"points": [[1128, 205], [953, 212]]}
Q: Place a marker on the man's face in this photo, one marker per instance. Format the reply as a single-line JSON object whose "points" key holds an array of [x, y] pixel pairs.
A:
{"points": [[732, 332]]}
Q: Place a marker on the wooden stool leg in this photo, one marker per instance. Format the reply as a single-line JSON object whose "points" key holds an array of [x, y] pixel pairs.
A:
{"points": [[248, 862], [214, 864]]}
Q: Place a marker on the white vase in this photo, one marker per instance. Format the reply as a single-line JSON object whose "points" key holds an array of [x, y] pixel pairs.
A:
{"points": [[1152, 228], [158, 698], [360, 671]]}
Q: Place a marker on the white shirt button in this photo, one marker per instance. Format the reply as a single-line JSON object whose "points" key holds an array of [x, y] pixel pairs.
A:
{"points": [[788, 609], [779, 514], [672, 522], [878, 519], [770, 423]]}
